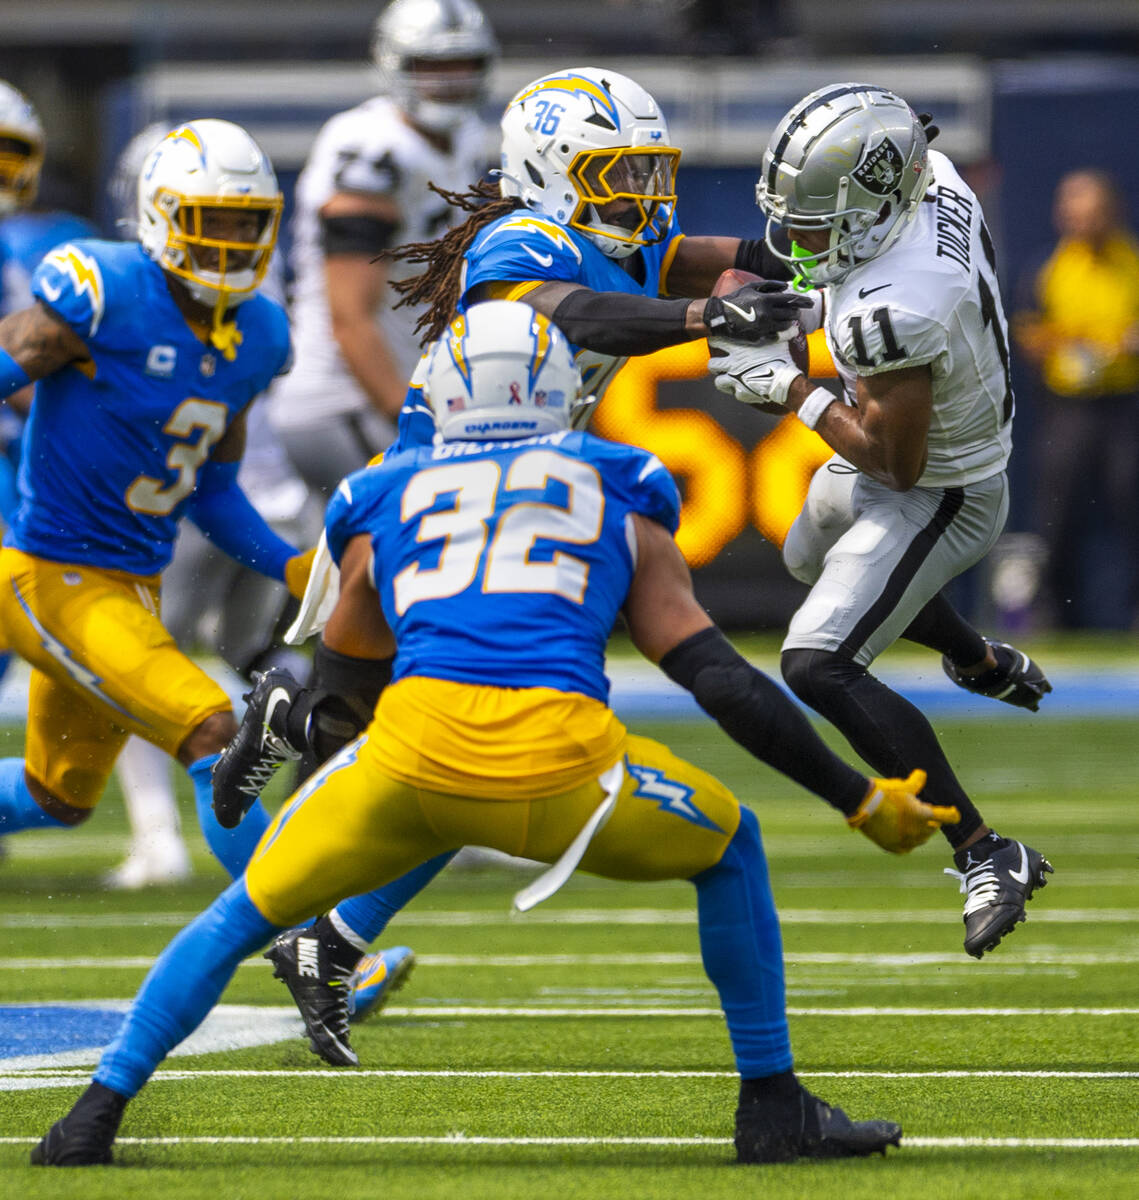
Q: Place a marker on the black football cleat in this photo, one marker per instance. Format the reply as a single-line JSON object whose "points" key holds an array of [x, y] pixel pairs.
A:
{"points": [[996, 890], [85, 1136], [259, 747], [321, 990], [807, 1127], [1016, 679]]}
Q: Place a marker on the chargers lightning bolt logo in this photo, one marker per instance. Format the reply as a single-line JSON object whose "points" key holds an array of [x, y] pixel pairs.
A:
{"points": [[575, 85], [670, 795], [86, 678], [85, 277]]}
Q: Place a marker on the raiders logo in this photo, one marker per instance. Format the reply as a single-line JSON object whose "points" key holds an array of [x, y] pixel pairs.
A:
{"points": [[880, 171]]}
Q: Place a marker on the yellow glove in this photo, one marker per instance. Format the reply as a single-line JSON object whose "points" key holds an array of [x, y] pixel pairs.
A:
{"points": [[297, 571], [894, 818]]}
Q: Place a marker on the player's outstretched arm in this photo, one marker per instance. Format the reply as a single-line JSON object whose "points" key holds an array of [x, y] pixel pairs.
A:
{"points": [[670, 628], [35, 343]]}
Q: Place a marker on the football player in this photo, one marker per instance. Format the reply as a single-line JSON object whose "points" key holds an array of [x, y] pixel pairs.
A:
{"points": [[146, 355], [364, 189], [241, 607], [26, 235], [492, 565], [917, 490], [586, 230]]}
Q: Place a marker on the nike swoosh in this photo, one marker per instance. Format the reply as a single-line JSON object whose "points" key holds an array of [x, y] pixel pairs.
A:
{"points": [[545, 260], [53, 293], [746, 314], [1021, 874], [864, 292]]}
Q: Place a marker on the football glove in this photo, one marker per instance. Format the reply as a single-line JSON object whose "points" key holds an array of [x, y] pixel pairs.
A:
{"points": [[757, 375], [931, 130], [755, 312], [894, 818], [297, 571]]}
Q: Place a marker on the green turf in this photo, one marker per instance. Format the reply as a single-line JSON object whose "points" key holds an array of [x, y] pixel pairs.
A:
{"points": [[1066, 787]]}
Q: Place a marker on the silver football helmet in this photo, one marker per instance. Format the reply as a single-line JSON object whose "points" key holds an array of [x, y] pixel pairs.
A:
{"points": [[501, 371], [21, 150], [576, 141], [851, 159], [435, 58]]}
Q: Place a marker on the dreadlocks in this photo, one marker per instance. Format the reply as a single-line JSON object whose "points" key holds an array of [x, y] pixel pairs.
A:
{"points": [[438, 286]]}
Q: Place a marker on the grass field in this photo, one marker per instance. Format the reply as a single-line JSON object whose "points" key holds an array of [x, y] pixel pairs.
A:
{"points": [[578, 1051]]}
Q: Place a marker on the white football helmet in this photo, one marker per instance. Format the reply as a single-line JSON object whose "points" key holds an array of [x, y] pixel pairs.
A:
{"points": [[851, 158], [21, 150], [196, 170], [578, 140], [501, 371], [435, 58]]}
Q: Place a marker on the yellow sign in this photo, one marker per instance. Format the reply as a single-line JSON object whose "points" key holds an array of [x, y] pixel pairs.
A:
{"points": [[724, 484]]}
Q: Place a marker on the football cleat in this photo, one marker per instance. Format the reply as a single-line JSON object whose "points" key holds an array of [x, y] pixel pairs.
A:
{"points": [[1016, 679], [376, 979], [807, 1127], [85, 1136], [996, 889], [259, 747], [321, 990]]}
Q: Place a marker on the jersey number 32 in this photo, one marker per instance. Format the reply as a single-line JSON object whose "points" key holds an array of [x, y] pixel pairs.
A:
{"points": [[479, 493]]}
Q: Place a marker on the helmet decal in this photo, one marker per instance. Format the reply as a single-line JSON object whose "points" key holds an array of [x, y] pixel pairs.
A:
{"points": [[881, 169], [187, 133], [573, 84]]}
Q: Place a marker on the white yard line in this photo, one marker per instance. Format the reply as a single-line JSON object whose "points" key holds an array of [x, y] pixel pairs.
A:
{"points": [[459, 1139], [1035, 958], [592, 916], [72, 1075]]}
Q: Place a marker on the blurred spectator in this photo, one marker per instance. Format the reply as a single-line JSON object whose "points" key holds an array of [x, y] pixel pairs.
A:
{"points": [[1078, 323]]}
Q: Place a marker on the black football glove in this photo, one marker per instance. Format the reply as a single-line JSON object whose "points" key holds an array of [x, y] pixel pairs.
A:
{"points": [[757, 312], [926, 122]]}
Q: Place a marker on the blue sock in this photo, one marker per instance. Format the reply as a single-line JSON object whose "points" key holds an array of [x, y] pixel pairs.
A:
{"points": [[743, 952], [368, 916], [233, 848], [182, 986], [18, 808]]}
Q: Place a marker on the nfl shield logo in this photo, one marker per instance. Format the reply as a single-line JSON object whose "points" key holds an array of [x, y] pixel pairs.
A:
{"points": [[208, 365]]}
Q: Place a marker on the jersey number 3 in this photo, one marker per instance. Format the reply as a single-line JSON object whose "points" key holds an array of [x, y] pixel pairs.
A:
{"points": [[207, 419], [478, 490]]}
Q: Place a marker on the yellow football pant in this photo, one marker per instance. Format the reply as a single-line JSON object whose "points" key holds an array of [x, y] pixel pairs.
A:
{"points": [[353, 828], [103, 667]]}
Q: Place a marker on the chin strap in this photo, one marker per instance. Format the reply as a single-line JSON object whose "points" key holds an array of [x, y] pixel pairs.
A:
{"points": [[225, 335]]}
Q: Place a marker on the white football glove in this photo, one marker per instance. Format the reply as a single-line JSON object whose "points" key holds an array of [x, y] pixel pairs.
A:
{"points": [[760, 375]]}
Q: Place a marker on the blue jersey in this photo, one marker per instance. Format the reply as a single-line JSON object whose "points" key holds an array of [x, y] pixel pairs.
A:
{"points": [[114, 444], [24, 239], [504, 563], [524, 246]]}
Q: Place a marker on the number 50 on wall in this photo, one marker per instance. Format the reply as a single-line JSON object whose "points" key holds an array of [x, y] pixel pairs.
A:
{"points": [[725, 483]]}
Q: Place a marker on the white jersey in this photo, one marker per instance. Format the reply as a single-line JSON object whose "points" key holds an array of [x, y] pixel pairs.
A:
{"points": [[932, 297], [370, 150]]}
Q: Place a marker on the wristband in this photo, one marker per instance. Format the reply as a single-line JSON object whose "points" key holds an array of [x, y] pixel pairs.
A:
{"points": [[12, 375], [813, 407]]}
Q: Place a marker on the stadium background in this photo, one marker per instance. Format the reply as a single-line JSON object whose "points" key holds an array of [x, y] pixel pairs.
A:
{"points": [[1033, 89]]}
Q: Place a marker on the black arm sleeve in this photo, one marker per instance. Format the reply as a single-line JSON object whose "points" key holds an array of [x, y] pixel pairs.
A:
{"points": [[618, 323], [752, 710], [755, 256], [356, 235], [339, 702]]}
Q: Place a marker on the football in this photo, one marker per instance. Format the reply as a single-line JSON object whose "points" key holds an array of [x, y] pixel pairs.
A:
{"points": [[732, 280]]}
